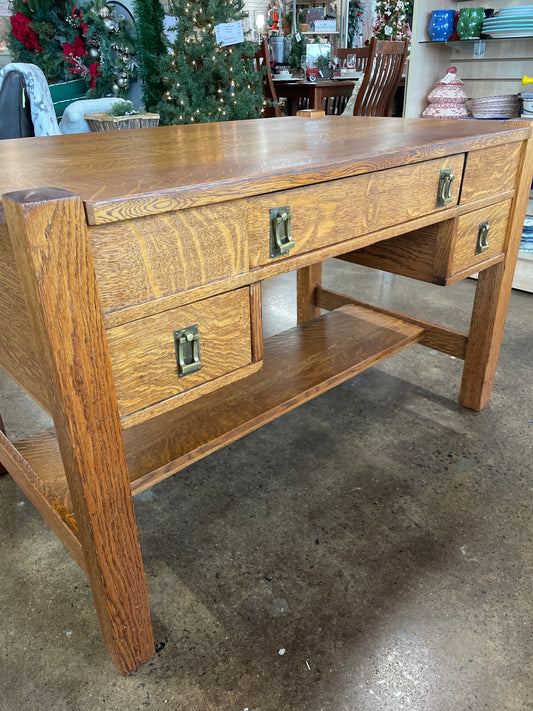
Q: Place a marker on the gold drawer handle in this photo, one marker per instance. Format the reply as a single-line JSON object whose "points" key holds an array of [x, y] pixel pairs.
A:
{"points": [[444, 191], [280, 231], [187, 343], [482, 242]]}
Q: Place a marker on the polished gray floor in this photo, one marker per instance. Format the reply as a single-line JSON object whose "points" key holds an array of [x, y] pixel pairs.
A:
{"points": [[371, 551]]}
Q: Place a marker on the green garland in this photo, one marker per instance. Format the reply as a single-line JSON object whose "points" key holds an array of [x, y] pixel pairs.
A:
{"points": [[152, 48], [203, 80], [67, 40]]}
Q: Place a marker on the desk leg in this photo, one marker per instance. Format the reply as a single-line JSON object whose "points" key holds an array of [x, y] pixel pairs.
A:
{"points": [[491, 301], [52, 250], [3, 470], [307, 280]]}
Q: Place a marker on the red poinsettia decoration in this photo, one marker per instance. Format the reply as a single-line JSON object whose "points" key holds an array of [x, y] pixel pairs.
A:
{"points": [[77, 15], [94, 71], [76, 50], [20, 27]]}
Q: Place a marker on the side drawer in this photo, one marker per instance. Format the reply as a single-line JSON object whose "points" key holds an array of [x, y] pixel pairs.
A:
{"points": [[328, 213], [440, 253], [144, 354], [490, 171], [467, 252]]}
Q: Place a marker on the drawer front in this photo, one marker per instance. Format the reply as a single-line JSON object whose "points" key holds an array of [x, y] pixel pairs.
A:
{"points": [[490, 171], [332, 212], [152, 257], [143, 353], [468, 227]]}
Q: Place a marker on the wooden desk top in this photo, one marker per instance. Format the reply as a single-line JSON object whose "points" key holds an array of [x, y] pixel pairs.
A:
{"points": [[126, 174]]}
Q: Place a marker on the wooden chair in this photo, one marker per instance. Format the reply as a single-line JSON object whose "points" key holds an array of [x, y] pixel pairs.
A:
{"points": [[381, 78], [262, 61], [353, 57]]}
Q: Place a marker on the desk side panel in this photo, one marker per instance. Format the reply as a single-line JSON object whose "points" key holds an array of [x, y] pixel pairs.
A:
{"points": [[19, 355]]}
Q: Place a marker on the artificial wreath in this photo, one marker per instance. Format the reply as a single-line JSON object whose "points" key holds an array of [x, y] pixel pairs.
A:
{"points": [[89, 40]]}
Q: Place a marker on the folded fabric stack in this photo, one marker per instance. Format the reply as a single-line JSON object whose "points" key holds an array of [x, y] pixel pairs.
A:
{"points": [[504, 106]]}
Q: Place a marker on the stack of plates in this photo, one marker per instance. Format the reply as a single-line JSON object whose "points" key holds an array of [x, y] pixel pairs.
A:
{"points": [[526, 245], [493, 107], [510, 22], [527, 106]]}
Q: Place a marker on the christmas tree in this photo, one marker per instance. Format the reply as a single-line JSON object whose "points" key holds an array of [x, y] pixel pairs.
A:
{"points": [[204, 78], [88, 41], [392, 20]]}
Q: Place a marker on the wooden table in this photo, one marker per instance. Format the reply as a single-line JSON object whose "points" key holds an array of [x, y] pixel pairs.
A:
{"points": [[131, 297], [316, 94]]}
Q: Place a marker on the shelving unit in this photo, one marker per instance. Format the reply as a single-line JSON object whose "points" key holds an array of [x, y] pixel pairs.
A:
{"points": [[488, 67]]}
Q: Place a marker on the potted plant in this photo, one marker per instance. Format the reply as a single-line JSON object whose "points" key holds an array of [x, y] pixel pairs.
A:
{"points": [[120, 116], [323, 62]]}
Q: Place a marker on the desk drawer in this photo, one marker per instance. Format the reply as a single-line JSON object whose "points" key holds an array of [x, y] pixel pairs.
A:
{"points": [[332, 212], [144, 353], [490, 171], [467, 252]]}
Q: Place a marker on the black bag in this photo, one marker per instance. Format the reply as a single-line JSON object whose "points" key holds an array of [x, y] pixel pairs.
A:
{"points": [[15, 109]]}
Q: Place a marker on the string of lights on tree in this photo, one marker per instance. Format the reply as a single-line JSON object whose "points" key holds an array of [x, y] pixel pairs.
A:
{"points": [[89, 40], [202, 80], [392, 20]]}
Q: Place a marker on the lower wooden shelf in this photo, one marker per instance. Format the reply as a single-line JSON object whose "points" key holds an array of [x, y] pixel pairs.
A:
{"points": [[299, 364]]}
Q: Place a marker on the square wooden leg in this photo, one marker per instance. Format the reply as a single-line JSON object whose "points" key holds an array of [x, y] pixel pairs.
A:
{"points": [[51, 246], [307, 280]]}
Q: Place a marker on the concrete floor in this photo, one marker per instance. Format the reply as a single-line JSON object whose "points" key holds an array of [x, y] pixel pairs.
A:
{"points": [[371, 551]]}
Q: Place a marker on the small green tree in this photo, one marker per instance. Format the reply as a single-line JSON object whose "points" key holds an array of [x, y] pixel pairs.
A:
{"points": [[205, 81]]}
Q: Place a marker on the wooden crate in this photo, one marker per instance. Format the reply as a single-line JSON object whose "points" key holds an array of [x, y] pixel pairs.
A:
{"points": [[104, 122]]}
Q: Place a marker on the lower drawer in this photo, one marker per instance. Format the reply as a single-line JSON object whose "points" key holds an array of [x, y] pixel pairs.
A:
{"points": [[145, 354], [472, 246], [444, 252]]}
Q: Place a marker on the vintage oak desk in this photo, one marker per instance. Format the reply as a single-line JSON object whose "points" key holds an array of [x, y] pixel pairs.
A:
{"points": [[131, 267]]}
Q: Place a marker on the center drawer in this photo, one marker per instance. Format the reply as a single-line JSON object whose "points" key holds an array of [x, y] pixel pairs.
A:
{"points": [[327, 213], [215, 338]]}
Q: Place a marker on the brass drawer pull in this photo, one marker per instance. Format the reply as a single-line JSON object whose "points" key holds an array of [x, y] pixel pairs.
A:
{"points": [[280, 231], [187, 342], [482, 242], [444, 191]]}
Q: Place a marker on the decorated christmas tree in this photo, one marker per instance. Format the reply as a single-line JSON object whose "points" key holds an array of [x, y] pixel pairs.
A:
{"points": [[392, 20], [208, 72], [88, 40]]}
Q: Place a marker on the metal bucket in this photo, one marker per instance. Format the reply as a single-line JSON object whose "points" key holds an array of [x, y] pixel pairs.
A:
{"points": [[280, 49]]}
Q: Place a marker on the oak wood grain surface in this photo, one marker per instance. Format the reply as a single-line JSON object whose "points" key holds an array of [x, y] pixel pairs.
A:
{"points": [[52, 251], [299, 364], [464, 253], [152, 257], [342, 209], [124, 174], [489, 170], [143, 354], [19, 353]]}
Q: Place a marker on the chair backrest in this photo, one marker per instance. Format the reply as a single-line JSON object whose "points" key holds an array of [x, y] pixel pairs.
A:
{"points": [[381, 78], [352, 57], [262, 64], [15, 109]]}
